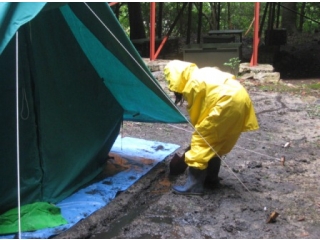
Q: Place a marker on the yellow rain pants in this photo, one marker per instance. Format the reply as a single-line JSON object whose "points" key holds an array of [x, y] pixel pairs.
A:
{"points": [[219, 108]]}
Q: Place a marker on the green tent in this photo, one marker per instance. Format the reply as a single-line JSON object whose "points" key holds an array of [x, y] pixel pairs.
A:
{"points": [[79, 77]]}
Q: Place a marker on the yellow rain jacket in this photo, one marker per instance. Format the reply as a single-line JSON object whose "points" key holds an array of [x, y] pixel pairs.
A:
{"points": [[219, 108]]}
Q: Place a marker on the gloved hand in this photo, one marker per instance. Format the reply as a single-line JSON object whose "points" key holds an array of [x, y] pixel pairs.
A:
{"points": [[177, 164]]}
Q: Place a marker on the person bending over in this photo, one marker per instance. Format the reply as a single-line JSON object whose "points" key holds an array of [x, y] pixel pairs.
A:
{"points": [[219, 108]]}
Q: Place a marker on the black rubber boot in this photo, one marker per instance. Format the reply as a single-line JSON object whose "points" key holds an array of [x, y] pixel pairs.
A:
{"points": [[194, 183], [213, 171]]}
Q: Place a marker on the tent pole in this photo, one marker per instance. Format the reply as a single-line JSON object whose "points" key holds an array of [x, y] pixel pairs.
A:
{"points": [[18, 134], [254, 58], [152, 30]]}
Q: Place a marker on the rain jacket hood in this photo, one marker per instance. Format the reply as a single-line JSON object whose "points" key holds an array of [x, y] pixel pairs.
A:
{"points": [[177, 74], [219, 109]]}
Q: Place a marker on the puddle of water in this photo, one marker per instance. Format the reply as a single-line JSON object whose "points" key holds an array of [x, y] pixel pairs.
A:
{"points": [[116, 227], [166, 220]]}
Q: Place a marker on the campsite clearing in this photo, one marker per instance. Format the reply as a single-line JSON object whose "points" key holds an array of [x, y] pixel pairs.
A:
{"points": [[255, 182], [72, 104]]}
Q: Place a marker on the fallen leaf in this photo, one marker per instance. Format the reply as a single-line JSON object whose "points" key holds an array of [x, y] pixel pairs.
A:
{"points": [[272, 217]]}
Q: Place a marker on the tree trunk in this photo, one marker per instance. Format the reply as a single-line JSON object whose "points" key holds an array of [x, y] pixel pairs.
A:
{"points": [[289, 17], [213, 23], [301, 20], [229, 15], [159, 20], [137, 30]]}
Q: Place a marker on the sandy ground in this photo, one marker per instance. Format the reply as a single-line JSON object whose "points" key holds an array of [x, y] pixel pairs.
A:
{"points": [[255, 182]]}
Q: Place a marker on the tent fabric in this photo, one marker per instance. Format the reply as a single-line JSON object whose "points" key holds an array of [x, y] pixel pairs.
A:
{"points": [[134, 111], [12, 16], [219, 107], [133, 158], [77, 83], [35, 216]]}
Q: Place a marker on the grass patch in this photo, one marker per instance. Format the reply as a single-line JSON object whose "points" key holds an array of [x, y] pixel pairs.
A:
{"points": [[303, 89], [314, 86]]}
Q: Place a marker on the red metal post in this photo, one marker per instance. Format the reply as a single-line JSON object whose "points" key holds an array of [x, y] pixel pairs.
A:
{"points": [[254, 58], [152, 30], [112, 3], [164, 40]]}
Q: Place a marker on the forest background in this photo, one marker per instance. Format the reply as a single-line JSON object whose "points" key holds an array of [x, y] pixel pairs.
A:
{"points": [[295, 17]]}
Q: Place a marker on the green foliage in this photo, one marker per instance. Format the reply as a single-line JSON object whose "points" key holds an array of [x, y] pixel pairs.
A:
{"points": [[241, 16], [312, 15], [233, 15], [233, 63], [124, 18]]}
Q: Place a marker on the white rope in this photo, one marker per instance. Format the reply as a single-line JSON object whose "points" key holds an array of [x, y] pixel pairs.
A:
{"points": [[17, 127], [138, 64], [257, 153], [236, 146], [123, 47], [167, 97], [254, 140], [180, 128], [132, 57]]}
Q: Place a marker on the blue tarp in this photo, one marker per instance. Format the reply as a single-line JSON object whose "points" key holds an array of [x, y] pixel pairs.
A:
{"points": [[140, 157]]}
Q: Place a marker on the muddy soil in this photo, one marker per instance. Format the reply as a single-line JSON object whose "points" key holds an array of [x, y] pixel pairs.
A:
{"points": [[254, 182]]}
